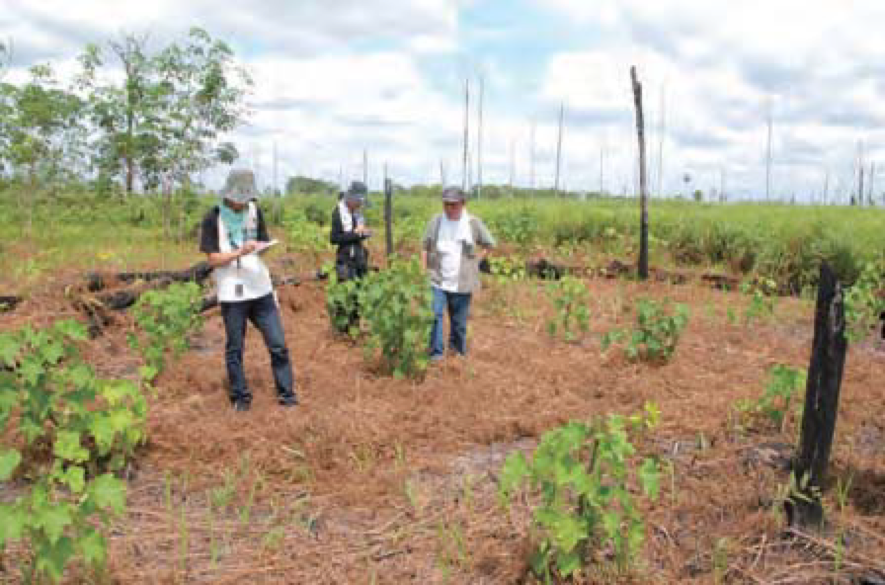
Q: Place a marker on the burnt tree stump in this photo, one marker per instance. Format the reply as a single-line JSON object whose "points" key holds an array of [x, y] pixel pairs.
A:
{"points": [[828, 352]]}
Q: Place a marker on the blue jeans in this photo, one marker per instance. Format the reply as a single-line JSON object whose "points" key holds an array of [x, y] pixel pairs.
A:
{"points": [[264, 314], [458, 305]]}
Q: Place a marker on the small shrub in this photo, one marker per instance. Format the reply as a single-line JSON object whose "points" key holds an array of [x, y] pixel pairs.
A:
{"points": [[69, 431], [166, 318], [570, 298], [865, 302], [656, 335], [396, 305], [776, 404], [581, 473]]}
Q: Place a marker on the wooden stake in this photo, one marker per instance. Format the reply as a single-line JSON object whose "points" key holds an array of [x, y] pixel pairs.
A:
{"points": [[388, 214]]}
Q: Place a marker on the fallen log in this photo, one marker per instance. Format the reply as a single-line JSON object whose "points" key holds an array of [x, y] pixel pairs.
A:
{"points": [[9, 302], [96, 281], [720, 281]]}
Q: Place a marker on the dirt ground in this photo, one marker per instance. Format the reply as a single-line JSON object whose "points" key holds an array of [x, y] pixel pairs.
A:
{"points": [[376, 480]]}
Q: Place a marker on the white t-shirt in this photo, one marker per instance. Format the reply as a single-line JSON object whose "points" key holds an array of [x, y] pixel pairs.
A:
{"points": [[248, 274], [449, 245]]}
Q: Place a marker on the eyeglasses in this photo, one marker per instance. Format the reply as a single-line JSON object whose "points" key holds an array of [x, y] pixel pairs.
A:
{"points": [[452, 203]]}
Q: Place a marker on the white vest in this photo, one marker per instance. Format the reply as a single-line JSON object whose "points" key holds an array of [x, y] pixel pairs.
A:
{"points": [[248, 271]]}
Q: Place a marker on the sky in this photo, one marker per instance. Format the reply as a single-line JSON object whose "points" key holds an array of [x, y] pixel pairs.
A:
{"points": [[335, 78]]}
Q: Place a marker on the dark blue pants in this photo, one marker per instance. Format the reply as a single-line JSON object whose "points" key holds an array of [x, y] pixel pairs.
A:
{"points": [[458, 305], [264, 314]]}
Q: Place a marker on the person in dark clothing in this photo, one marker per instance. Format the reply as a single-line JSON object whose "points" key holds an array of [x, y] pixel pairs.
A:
{"points": [[352, 258], [233, 234]]}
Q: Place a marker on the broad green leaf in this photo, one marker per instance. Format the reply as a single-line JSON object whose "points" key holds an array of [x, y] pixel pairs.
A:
{"points": [[9, 349], [611, 523], [52, 557], [75, 477], [9, 461], [67, 446], [53, 519], [649, 477], [94, 548], [568, 563], [103, 432], [13, 520], [72, 329], [107, 491]]}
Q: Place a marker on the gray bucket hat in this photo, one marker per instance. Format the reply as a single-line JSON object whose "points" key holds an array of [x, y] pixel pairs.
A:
{"points": [[240, 186], [454, 194], [356, 192]]}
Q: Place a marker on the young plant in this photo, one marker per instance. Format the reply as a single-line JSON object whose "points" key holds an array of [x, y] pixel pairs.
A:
{"points": [[865, 303], [570, 297], [166, 319], [656, 335], [581, 472], [762, 298], [68, 430], [342, 301], [776, 404], [397, 309]]}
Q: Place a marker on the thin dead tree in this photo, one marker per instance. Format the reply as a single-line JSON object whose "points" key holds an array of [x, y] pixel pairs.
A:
{"points": [[768, 157], [601, 170], [388, 215], [479, 139], [871, 181], [532, 157], [826, 192], [512, 164], [366, 168], [559, 148], [662, 129], [442, 173], [643, 187], [464, 169], [859, 199]]}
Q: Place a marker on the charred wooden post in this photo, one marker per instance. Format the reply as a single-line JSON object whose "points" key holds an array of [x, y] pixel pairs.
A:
{"points": [[828, 352], [643, 187], [388, 216]]}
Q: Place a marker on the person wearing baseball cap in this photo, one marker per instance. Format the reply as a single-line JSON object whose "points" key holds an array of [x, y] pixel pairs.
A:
{"points": [[231, 236], [454, 243], [348, 233]]}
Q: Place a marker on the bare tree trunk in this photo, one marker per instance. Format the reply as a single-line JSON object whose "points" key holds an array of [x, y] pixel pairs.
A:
{"points": [[512, 164], [559, 148], [601, 170], [663, 130], [871, 181], [366, 168], [860, 173], [768, 158], [826, 186], [388, 215], [466, 132], [532, 157], [442, 174], [643, 187], [479, 140], [828, 352]]}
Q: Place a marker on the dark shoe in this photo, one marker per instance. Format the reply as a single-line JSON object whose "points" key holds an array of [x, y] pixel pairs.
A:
{"points": [[288, 401], [241, 406]]}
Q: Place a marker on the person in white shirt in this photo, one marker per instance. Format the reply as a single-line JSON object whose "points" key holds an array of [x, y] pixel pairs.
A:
{"points": [[453, 245], [232, 234]]}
